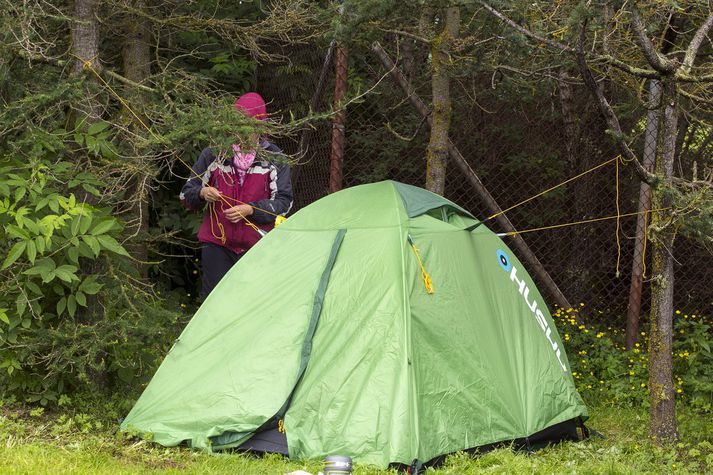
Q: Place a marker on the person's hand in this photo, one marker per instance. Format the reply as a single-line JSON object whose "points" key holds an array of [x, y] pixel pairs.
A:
{"points": [[210, 194], [236, 213]]}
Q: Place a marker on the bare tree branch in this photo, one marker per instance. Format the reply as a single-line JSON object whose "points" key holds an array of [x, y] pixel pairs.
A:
{"points": [[607, 111], [640, 72], [96, 65], [125, 80], [406, 34], [695, 44], [683, 77], [655, 59], [694, 97], [525, 31]]}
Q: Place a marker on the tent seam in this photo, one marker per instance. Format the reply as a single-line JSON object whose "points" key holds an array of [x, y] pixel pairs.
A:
{"points": [[407, 325]]}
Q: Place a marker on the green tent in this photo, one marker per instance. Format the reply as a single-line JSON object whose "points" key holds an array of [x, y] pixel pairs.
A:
{"points": [[381, 322]]}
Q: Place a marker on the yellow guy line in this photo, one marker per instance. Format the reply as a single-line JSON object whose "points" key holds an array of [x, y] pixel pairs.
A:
{"points": [[512, 233], [552, 188]]}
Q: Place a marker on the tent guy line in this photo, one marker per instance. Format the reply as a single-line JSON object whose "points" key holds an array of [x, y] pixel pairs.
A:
{"points": [[618, 157], [584, 221]]}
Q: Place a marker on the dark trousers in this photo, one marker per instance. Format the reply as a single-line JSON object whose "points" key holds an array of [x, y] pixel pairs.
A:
{"points": [[216, 261]]}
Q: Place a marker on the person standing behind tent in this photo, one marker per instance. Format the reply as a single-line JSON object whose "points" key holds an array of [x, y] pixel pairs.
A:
{"points": [[241, 191]]}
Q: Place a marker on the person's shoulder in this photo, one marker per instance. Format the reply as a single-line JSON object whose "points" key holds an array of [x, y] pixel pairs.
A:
{"points": [[274, 156], [270, 147], [207, 153]]}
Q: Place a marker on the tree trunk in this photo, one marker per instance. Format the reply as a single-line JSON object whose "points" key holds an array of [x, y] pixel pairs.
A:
{"points": [[136, 56], [85, 47], [637, 268], [663, 409], [579, 195], [437, 152]]}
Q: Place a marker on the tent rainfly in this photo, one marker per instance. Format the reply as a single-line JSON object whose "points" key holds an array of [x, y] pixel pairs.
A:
{"points": [[382, 322]]}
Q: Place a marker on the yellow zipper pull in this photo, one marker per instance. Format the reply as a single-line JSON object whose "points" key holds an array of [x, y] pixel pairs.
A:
{"points": [[426, 278]]}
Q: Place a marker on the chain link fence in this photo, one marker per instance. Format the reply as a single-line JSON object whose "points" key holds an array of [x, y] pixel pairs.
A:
{"points": [[521, 136]]}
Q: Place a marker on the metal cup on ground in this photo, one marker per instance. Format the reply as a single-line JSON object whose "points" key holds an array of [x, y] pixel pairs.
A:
{"points": [[337, 465]]}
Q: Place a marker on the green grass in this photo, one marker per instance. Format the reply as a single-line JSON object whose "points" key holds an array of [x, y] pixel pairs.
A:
{"points": [[71, 442]]}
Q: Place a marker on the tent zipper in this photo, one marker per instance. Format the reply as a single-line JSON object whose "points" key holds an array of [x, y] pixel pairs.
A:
{"points": [[427, 282]]}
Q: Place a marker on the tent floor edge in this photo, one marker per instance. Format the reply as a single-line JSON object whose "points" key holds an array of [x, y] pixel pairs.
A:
{"points": [[554, 434]]}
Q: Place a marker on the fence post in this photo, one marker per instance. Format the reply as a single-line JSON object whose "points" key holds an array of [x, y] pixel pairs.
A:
{"points": [[336, 159], [460, 161], [637, 268]]}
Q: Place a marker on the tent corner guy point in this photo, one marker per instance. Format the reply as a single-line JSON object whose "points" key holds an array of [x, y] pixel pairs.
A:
{"points": [[325, 338]]}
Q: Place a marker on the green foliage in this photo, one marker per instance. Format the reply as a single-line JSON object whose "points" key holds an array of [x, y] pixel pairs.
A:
{"points": [[606, 373], [693, 359], [694, 213], [56, 329]]}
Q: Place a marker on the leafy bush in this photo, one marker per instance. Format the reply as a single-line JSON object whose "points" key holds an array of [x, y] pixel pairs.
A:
{"points": [[605, 372], [57, 331]]}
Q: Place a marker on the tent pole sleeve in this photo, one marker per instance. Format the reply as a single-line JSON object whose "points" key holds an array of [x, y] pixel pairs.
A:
{"points": [[314, 318], [238, 439]]}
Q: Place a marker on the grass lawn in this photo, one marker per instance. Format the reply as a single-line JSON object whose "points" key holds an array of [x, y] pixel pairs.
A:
{"points": [[72, 442]]}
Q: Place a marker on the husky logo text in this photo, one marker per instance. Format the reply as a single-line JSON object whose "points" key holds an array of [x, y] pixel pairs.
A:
{"points": [[524, 290]]}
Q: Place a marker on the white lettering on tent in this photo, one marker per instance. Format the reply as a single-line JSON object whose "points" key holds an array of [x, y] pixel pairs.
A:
{"points": [[541, 319], [525, 292]]}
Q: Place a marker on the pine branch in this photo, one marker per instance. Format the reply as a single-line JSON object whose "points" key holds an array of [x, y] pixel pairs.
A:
{"points": [[97, 67], [605, 59]]}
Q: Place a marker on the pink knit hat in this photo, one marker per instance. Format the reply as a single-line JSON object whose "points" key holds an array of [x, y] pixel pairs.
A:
{"points": [[253, 105]]}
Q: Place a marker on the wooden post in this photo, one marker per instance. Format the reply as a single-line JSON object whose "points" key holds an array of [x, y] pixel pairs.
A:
{"points": [[336, 160], [490, 203]]}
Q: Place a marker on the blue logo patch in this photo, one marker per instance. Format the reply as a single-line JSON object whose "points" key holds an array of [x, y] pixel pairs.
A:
{"points": [[504, 260]]}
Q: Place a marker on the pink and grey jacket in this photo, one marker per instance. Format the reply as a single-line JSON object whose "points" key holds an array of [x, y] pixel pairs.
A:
{"points": [[267, 186]]}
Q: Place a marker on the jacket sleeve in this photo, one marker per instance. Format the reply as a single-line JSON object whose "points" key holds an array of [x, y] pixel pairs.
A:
{"points": [[190, 193], [281, 200]]}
